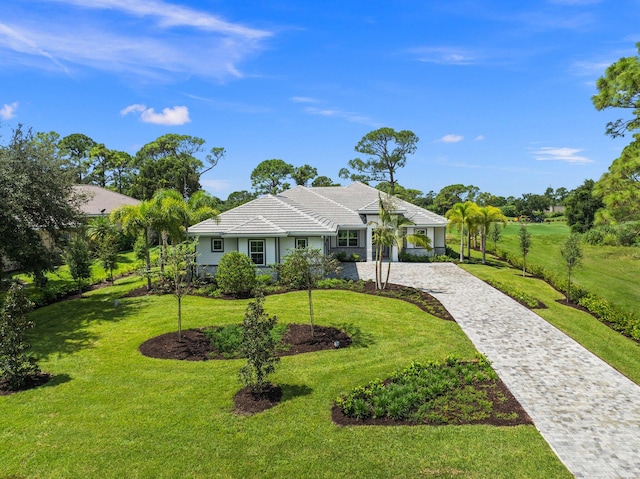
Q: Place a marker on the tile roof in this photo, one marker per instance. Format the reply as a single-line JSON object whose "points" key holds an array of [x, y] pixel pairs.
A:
{"points": [[309, 211], [101, 201]]}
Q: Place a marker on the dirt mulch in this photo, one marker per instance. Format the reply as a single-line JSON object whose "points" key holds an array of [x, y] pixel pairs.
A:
{"points": [[32, 381], [248, 403], [196, 347], [495, 392]]}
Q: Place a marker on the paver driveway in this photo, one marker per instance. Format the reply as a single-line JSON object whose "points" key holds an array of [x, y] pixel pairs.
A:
{"points": [[587, 411]]}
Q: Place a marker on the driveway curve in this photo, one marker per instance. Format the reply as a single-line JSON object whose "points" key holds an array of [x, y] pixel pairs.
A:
{"points": [[587, 411]]}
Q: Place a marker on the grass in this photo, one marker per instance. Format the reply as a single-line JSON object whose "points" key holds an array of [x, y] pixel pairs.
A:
{"points": [[111, 412], [611, 272], [618, 351]]}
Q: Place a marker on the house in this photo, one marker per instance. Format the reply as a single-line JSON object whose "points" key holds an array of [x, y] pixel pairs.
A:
{"points": [[100, 201], [97, 201], [334, 219]]}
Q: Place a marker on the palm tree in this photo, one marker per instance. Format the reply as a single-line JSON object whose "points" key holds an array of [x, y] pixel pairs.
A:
{"points": [[484, 218], [169, 217], [460, 215], [201, 206], [390, 231], [137, 220]]}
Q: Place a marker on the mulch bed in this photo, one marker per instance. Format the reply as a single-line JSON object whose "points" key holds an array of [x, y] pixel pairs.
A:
{"points": [[32, 381], [196, 347], [248, 403], [493, 389]]}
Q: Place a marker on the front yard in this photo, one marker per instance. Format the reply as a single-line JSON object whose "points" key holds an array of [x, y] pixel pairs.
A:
{"points": [[111, 412]]}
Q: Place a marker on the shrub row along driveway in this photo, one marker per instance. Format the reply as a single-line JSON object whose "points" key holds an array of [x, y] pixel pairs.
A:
{"points": [[587, 411]]}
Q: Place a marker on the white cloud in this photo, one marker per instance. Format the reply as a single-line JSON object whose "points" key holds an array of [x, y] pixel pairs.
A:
{"points": [[8, 111], [178, 115], [445, 55], [338, 113], [451, 138], [167, 42], [568, 155], [479, 138], [303, 99]]}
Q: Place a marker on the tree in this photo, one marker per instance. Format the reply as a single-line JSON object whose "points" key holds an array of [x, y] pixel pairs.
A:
{"points": [[323, 181], [387, 152], [170, 162], [78, 258], [620, 88], [581, 206], [532, 205], [75, 148], [16, 365], [524, 242], [177, 275], [137, 220], [495, 233], [303, 174], [390, 231], [485, 218], [270, 177], [258, 346], [303, 268], [407, 194], [619, 188], [169, 215], [571, 253], [238, 198], [37, 202], [459, 216], [105, 236], [452, 194]]}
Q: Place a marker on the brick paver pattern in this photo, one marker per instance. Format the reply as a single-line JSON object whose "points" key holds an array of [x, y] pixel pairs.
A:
{"points": [[587, 411]]}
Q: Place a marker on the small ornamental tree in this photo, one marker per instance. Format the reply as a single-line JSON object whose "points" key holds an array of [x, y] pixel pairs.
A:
{"points": [[495, 233], [572, 254], [258, 346], [78, 258], [524, 241], [105, 236], [15, 364], [176, 274], [303, 268], [236, 274]]}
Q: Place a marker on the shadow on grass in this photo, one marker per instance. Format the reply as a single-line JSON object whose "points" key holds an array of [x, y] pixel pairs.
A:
{"points": [[359, 338], [292, 391], [67, 327], [56, 380]]}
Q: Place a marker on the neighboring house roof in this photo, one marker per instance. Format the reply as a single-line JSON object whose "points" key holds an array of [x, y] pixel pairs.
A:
{"points": [[303, 211], [100, 201]]}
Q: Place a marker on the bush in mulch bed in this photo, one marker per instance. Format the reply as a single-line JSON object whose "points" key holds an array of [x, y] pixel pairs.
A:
{"points": [[455, 392]]}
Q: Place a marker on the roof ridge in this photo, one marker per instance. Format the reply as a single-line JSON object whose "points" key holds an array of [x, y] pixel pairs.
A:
{"points": [[259, 217], [330, 200]]}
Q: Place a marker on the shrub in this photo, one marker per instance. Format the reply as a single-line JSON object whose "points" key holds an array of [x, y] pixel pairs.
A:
{"points": [[515, 293], [258, 346], [15, 364], [236, 274]]}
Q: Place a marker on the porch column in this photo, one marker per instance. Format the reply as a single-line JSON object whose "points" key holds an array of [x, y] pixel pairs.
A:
{"points": [[369, 242], [394, 253]]}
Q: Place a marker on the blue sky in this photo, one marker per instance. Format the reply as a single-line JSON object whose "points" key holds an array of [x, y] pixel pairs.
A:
{"points": [[498, 91]]}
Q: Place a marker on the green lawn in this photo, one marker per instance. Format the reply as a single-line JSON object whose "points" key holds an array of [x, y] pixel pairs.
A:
{"points": [[612, 272], [111, 412]]}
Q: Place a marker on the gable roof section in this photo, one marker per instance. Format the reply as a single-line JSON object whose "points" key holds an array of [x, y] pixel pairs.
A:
{"points": [[101, 201], [266, 216], [303, 211]]}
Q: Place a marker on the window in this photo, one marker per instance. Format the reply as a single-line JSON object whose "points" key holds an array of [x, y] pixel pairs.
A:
{"points": [[301, 243], [348, 238], [421, 232], [217, 245], [256, 252]]}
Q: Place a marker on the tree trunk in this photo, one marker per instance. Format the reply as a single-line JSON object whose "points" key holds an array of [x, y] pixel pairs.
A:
{"points": [[483, 246], [386, 282], [310, 310], [179, 319], [462, 245], [147, 258]]}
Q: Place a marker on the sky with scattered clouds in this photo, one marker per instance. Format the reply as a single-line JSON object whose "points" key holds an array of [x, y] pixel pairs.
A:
{"points": [[499, 92]]}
